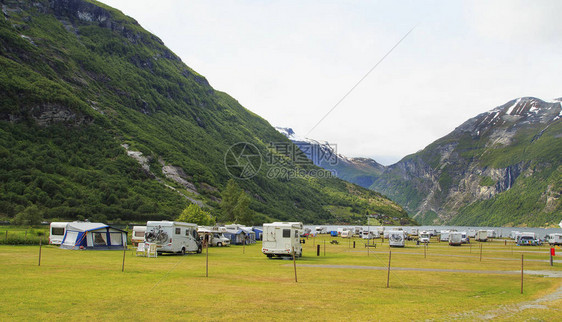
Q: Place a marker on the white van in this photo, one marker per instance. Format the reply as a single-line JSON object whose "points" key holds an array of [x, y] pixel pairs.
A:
{"points": [[173, 236], [554, 239], [396, 238], [138, 235], [56, 232], [455, 238], [280, 238]]}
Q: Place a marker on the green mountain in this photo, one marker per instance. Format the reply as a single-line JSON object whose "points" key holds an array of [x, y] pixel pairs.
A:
{"points": [[99, 120], [502, 167]]}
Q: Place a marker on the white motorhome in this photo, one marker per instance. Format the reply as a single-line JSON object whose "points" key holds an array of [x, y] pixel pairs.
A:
{"points": [[481, 236], [455, 238], [396, 238], [471, 233], [513, 234], [281, 239], [370, 234], [444, 236], [173, 236], [138, 235], [321, 230], [526, 239], [56, 232], [554, 239], [424, 237], [465, 238]]}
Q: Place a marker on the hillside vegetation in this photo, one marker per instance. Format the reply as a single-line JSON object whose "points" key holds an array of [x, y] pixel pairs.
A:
{"points": [[99, 120]]}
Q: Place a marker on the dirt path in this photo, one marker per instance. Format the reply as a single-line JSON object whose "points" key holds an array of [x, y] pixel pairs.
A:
{"points": [[554, 274]]}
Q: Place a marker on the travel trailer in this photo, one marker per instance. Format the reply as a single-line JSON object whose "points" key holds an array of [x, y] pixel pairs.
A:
{"points": [[57, 230], [424, 237], [173, 236], [554, 239], [346, 234], [396, 238], [481, 236], [281, 239], [455, 238], [138, 235]]}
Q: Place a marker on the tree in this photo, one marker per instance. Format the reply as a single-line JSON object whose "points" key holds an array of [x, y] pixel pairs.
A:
{"points": [[29, 216], [195, 215], [235, 204], [229, 200]]}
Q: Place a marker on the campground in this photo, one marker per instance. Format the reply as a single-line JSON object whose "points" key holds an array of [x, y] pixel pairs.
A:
{"points": [[344, 284]]}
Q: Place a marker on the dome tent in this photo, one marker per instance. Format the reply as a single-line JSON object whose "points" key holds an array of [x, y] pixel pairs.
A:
{"points": [[88, 235]]}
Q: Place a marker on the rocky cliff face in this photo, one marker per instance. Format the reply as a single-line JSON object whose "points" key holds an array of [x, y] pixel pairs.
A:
{"points": [[484, 158]]}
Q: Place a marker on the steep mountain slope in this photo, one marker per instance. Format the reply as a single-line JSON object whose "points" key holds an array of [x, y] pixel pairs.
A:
{"points": [[502, 167], [99, 120]]}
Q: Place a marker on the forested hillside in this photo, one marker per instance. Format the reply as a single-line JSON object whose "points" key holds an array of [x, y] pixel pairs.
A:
{"points": [[99, 120]]}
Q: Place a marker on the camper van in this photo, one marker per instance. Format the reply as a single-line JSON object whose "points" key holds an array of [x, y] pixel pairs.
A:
{"points": [[138, 235], [424, 237], [396, 238], [281, 239], [554, 239], [173, 236], [57, 230], [481, 236], [455, 238]]}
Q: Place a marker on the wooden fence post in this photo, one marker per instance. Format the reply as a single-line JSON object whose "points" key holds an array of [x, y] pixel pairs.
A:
{"points": [[388, 275], [521, 273], [40, 245]]}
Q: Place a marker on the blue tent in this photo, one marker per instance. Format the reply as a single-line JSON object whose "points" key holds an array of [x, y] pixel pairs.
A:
{"points": [[86, 235], [238, 236], [259, 232]]}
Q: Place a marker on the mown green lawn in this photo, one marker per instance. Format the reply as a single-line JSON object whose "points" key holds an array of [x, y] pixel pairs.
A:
{"points": [[244, 284]]}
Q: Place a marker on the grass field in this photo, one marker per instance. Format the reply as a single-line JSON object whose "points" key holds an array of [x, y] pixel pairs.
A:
{"points": [[244, 284]]}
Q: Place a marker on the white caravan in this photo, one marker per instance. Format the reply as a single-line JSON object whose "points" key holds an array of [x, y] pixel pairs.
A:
{"points": [[481, 236], [138, 235], [173, 236], [281, 239], [491, 233], [396, 238], [424, 237], [56, 232], [554, 239], [471, 233], [346, 234], [455, 238]]}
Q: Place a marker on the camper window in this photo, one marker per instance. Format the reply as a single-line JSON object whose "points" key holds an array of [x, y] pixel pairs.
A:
{"points": [[178, 231], [286, 233], [139, 234], [57, 231]]}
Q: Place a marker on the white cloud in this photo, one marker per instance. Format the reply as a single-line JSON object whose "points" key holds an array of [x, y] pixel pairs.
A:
{"points": [[291, 61]]}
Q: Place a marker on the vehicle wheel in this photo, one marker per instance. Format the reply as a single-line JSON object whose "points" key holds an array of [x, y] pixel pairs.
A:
{"points": [[199, 249], [183, 251], [219, 244]]}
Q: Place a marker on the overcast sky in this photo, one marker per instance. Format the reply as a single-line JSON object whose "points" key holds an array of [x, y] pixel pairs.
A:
{"points": [[292, 61]]}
